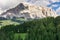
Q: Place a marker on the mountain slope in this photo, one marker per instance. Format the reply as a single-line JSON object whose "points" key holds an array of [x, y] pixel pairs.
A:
{"points": [[28, 11], [53, 4]]}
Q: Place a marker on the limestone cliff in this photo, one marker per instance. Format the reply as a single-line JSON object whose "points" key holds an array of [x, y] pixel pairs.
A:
{"points": [[29, 11]]}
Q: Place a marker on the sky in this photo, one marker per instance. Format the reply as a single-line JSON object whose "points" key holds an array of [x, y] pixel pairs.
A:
{"points": [[54, 4], [5, 4]]}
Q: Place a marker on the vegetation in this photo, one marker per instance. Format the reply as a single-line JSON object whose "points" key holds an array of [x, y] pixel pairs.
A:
{"points": [[37, 29], [14, 21]]}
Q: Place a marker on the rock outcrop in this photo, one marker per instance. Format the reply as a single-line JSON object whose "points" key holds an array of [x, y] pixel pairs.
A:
{"points": [[1, 11], [29, 11]]}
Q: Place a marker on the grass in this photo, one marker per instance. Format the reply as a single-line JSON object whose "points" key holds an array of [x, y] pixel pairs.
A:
{"points": [[13, 22], [7, 22], [22, 35]]}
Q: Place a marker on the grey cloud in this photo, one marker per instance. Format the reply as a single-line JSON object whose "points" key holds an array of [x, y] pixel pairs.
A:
{"points": [[9, 3]]}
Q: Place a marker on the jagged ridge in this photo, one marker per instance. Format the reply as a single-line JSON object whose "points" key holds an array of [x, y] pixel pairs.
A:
{"points": [[28, 11]]}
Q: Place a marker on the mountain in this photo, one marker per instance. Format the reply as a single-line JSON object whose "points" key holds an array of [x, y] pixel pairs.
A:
{"points": [[53, 4], [28, 11], [1, 11]]}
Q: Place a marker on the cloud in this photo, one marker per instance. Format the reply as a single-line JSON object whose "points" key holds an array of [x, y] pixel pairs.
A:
{"points": [[5, 4], [42, 3], [39, 2], [58, 11], [55, 0]]}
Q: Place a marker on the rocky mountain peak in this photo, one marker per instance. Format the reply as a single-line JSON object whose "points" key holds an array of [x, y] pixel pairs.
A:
{"points": [[28, 11]]}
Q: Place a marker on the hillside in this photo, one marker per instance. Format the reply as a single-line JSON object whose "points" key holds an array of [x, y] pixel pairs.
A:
{"points": [[28, 11]]}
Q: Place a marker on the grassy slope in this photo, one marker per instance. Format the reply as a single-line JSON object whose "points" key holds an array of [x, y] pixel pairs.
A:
{"points": [[7, 22], [14, 22]]}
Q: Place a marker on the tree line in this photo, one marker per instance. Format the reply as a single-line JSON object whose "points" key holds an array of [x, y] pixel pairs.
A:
{"points": [[37, 29]]}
